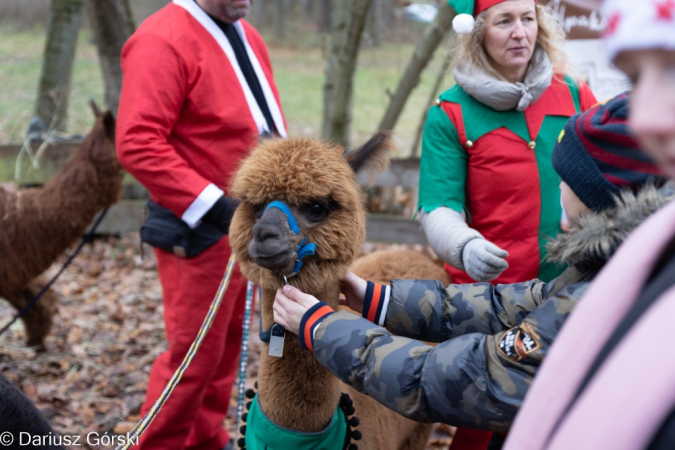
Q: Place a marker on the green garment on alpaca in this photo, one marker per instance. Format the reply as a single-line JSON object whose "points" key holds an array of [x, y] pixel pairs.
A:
{"points": [[263, 434]]}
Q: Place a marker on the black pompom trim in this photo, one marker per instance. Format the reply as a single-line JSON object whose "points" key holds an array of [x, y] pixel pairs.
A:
{"points": [[347, 406]]}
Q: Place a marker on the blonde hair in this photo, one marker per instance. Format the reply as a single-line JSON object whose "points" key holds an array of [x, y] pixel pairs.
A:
{"points": [[550, 38]]}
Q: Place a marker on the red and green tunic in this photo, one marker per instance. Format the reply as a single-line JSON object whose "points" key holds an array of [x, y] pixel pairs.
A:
{"points": [[496, 167]]}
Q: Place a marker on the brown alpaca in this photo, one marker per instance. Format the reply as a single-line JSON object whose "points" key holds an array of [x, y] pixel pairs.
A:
{"points": [[39, 224], [320, 187], [384, 266]]}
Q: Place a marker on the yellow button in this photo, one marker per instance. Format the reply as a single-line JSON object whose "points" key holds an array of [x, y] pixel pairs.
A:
{"points": [[438, 101], [469, 144], [532, 145]]}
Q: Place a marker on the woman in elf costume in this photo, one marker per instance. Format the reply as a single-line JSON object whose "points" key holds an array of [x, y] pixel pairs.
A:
{"points": [[486, 152]]}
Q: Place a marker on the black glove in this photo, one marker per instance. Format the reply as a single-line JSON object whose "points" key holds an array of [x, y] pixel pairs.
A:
{"points": [[220, 214]]}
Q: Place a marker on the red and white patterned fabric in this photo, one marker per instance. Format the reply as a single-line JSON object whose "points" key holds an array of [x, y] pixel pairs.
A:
{"points": [[632, 26]]}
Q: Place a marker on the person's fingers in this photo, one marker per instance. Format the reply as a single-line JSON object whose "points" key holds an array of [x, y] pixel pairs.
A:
{"points": [[492, 267], [493, 261], [498, 252], [352, 280], [300, 297], [481, 271]]}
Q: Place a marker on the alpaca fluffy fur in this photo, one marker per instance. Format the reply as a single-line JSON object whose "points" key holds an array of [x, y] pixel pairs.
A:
{"points": [[295, 392], [383, 266], [39, 224], [595, 236]]}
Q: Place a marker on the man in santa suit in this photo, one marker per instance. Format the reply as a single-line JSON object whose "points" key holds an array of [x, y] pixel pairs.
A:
{"points": [[197, 93]]}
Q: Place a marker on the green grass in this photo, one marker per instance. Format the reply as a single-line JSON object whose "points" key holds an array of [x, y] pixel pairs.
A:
{"points": [[299, 73]]}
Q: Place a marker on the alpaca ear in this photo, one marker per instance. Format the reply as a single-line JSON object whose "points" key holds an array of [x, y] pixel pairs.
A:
{"points": [[95, 108], [373, 156], [108, 121]]}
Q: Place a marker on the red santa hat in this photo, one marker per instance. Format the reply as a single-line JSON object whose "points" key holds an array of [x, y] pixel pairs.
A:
{"points": [[467, 10], [638, 25]]}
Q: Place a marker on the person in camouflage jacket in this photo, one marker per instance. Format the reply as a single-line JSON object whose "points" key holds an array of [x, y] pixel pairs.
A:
{"points": [[492, 339]]}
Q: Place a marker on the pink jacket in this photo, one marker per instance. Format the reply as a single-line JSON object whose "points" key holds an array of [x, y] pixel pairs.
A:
{"points": [[632, 393]]}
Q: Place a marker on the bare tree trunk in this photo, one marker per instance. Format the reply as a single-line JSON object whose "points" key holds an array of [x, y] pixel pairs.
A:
{"points": [[325, 15], [112, 24], [350, 18], [423, 53], [51, 106], [414, 151]]}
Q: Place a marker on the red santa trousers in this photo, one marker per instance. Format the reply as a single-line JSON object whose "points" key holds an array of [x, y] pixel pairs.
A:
{"points": [[193, 416]]}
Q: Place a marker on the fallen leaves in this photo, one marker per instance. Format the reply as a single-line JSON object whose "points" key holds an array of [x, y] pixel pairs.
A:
{"points": [[106, 335]]}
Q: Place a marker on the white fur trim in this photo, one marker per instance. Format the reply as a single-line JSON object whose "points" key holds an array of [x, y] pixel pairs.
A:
{"points": [[200, 16], [463, 23], [637, 25], [206, 199]]}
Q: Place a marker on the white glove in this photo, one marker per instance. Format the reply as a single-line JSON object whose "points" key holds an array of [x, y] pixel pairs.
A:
{"points": [[447, 233], [483, 260]]}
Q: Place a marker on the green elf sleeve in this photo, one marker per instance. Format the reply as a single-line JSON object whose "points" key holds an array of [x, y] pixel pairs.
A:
{"points": [[443, 164]]}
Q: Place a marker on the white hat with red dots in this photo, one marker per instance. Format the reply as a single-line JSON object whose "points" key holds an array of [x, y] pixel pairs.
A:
{"points": [[638, 25]]}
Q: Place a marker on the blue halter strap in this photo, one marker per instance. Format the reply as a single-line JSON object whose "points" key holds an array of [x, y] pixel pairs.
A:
{"points": [[304, 248]]}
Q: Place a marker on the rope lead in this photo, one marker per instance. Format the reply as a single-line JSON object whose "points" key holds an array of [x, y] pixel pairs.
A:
{"points": [[145, 422]]}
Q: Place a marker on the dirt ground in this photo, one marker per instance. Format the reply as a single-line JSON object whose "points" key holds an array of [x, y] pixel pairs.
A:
{"points": [[107, 333]]}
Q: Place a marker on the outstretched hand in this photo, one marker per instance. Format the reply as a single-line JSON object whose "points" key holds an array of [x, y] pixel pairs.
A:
{"points": [[354, 289], [483, 260], [290, 304]]}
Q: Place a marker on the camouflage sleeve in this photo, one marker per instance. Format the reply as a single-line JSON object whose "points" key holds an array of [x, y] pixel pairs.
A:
{"points": [[477, 380], [426, 310]]}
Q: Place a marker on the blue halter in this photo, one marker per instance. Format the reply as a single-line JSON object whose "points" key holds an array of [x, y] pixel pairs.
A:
{"points": [[304, 248]]}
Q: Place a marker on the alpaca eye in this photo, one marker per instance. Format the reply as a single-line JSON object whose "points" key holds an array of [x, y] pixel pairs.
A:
{"points": [[316, 211], [258, 211]]}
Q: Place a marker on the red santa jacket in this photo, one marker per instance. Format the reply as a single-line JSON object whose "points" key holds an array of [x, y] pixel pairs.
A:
{"points": [[186, 114]]}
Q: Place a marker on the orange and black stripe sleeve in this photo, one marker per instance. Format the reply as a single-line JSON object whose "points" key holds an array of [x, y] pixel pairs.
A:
{"points": [[310, 321], [375, 303]]}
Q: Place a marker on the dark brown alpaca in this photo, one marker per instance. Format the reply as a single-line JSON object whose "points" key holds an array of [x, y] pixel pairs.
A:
{"points": [[39, 224], [319, 185]]}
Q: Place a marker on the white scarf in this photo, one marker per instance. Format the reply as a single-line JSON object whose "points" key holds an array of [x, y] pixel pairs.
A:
{"points": [[503, 95]]}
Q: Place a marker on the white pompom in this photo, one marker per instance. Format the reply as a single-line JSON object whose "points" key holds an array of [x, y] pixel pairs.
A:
{"points": [[463, 23]]}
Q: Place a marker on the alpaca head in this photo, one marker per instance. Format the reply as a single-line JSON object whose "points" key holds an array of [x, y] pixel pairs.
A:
{"points": [[97, 161], [319, 186]]}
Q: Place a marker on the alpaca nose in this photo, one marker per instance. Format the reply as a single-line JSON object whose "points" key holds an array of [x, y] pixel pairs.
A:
{"points": [[271, 247], [265, 231]]}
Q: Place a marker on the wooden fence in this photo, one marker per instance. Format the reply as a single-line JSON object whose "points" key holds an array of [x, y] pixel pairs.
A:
{"points": [[126, 215]]}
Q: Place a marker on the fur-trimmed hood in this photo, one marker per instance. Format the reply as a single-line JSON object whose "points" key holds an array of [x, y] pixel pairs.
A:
{"points": [[596, 236]]}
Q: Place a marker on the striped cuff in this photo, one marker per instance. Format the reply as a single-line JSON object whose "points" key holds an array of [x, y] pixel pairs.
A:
{"points": [[310, 322], [376, 302]]}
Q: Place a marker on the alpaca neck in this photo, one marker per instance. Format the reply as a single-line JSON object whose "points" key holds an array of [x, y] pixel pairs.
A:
{"points": [[69, 202], [77, 189], [296, 392], [47, 220]]}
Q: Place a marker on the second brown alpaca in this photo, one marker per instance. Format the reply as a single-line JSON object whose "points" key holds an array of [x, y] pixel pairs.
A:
{"points": [[320, 187], [38, 224]]}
